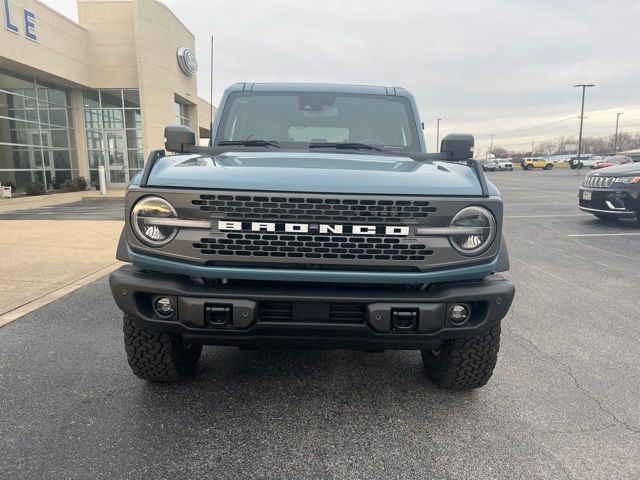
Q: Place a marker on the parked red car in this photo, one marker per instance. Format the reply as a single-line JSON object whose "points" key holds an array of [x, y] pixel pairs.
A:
{"points": [[612, 161]]}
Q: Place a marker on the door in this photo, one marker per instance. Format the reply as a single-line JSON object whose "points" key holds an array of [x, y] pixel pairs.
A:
{"points": [[40, 158], [115, 155]]}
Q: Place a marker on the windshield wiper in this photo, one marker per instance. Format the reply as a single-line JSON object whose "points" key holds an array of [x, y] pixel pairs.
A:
{"points": [[249, 143], [346, 146]]}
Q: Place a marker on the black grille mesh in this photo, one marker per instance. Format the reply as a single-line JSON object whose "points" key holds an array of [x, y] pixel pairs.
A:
{"points": [[282, 246], [305, 209], [335, 313]]}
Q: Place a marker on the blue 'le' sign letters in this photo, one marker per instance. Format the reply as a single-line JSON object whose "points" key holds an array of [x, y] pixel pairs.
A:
{"points": [[29, 22]]}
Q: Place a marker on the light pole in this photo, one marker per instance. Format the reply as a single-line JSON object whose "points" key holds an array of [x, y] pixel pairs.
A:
{"points": [[490, 147], [615, 141], [584, 87], [438, 136]]}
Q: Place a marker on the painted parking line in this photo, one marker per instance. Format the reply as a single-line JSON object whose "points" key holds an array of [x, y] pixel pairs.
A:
{"points": [[536, 204], [544, 216], [629, 234]]}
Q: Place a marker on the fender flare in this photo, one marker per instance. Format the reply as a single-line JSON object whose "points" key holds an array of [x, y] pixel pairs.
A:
{"points": [[122, 253], [503, 257]]}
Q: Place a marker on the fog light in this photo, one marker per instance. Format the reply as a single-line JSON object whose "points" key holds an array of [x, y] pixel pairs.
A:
{"points": [[459, 314], [163, 306]]}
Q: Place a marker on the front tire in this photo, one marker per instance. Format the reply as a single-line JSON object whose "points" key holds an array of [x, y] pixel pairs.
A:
{"points": [[529, 167], [158, 356], [463, 363]]}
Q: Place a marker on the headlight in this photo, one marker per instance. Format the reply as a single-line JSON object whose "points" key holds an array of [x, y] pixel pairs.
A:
{"points": [[483, 224], [628, 180], [146, 220]]}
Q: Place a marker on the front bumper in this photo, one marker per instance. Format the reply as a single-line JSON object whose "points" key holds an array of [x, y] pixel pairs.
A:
{"points": [[311, 315], [620, 202]]}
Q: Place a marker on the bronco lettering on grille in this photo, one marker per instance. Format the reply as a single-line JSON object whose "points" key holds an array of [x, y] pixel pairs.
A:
{"points": [[325, 229]]}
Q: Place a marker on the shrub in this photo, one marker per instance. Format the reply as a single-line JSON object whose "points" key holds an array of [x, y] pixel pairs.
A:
{"points": [[81, 182], [78, 184], [36, 188]]}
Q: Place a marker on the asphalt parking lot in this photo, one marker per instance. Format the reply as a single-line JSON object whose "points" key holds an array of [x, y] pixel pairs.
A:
{"points": [[84, 210], [563, 402]]}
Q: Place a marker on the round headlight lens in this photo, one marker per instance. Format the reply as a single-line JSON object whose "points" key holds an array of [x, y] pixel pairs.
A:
{"points": [[482, 222], [142, 220]]}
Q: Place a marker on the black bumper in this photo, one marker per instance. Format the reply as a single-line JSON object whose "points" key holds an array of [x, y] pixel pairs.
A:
{"points": [[286, 315], [623, 202]]}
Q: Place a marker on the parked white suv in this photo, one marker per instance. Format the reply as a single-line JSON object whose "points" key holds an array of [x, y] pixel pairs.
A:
{"points": [[586, 161], [498, 164]]}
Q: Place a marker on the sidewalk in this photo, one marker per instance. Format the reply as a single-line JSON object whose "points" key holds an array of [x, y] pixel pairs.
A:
{"points": [[22, 203], [44, 260]]}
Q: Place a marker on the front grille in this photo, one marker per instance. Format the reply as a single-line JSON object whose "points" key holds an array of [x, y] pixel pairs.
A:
{"points": [[275, 311], [598, 182], [316, 312], [306, 209], [313, 247]]}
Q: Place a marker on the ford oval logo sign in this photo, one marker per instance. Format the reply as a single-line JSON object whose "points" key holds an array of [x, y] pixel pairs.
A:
{"points": [[187, 61]]}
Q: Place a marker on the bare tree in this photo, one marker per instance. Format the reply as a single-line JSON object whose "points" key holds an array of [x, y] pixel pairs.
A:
{"points": [[500, 152], [590, 145]]}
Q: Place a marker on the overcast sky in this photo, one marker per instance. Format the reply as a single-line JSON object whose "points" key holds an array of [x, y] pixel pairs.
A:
{"points": [[484, 67]]}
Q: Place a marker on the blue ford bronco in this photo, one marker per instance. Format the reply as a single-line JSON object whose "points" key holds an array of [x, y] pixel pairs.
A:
{"points": [[315, 218]]}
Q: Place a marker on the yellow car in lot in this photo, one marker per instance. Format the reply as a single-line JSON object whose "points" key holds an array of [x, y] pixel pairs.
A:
{"points": [[531, 163]]}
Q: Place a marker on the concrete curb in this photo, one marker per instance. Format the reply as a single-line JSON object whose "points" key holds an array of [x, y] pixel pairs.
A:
{"points": [[100, 198], [25, 203], [33, 305]]}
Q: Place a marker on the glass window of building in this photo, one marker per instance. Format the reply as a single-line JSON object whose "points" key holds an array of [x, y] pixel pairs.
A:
{"points": [[36, 133], [114, 134], [182, 114]]}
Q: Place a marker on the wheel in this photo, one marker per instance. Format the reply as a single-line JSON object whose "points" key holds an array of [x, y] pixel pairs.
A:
{"points": [[580, 165], [548, 166], [500, 168], [158, 356], [463, 363], [529, 167]]}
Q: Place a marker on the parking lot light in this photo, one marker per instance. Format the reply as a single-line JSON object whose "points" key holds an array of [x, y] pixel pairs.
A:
{"points": [[615, 141], [584, 87]]}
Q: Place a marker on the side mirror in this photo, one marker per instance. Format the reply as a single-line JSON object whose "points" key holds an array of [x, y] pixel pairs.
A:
{"points": [[177, 136], [458, 145]]}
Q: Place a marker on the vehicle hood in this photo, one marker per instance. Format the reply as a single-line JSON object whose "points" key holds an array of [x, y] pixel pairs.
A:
{"points": [[615, 170], [316, 172]]}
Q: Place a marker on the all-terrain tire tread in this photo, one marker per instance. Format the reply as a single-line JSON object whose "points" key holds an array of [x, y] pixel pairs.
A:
{"points": [[464, 363], [158, 356]]}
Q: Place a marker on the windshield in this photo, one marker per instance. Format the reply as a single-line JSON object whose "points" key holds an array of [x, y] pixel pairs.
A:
{"points": [[297, 117]]}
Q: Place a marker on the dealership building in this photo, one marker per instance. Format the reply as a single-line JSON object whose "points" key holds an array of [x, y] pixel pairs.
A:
{"points": [[77, 95]]}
